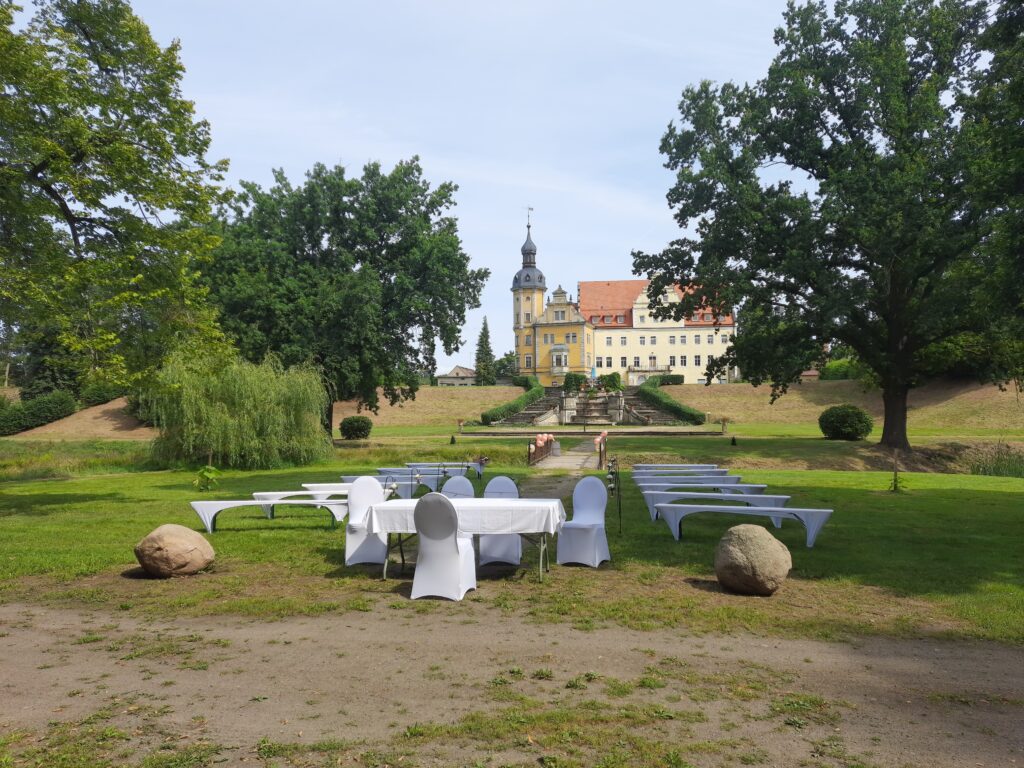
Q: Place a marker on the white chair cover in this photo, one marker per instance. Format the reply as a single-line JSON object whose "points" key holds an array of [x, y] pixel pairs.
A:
{"points": [[583, 539], [360, 545], [444, 565], [501, 547], [458, 487]]}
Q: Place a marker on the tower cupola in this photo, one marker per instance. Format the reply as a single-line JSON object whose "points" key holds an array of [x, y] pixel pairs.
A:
{"points": [[529, 276]]}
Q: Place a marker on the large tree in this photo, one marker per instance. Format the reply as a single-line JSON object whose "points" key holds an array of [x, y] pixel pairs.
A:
{"points": [[360, 275], [834, 201], [485, 365], [104, 186]]}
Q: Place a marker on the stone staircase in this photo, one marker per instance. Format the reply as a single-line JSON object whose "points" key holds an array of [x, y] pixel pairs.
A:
{"points": [[656, 416], [552, 398], [592, 411]]}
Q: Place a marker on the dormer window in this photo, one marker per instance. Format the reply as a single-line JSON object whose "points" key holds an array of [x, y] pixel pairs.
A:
{"points": [[527, 278]]}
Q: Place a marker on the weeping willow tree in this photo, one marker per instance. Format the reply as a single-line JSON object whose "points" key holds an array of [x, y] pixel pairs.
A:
{"points": [[232, 413]]}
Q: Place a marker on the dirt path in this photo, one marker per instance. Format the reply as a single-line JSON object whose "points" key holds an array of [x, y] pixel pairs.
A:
{"points": [[367, 677]]}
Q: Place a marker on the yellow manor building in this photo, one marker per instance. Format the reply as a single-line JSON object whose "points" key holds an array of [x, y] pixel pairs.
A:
{"points": [[608, 329]]}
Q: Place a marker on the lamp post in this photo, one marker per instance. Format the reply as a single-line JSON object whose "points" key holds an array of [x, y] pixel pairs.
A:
{"points": [[614, 486]]}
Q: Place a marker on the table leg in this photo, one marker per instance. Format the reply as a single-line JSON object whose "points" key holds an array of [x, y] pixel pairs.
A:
{"points": [[387, 557]]}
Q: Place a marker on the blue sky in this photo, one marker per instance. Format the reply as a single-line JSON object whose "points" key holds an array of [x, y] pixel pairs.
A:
{"points": [[556, 105]]}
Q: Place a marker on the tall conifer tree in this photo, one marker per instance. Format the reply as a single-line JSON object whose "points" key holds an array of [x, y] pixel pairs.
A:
{"points": [[485, 371]]}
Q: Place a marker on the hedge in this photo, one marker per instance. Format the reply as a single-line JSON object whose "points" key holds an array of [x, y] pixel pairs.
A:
{"points": [[534, 392], [672, 378], [650, 393], [610, 382], [100, 392], [573, 382], [17, 417], [845, 422]]}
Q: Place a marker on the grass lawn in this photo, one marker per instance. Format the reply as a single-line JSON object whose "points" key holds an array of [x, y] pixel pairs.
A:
{"points": [[942, 557]]}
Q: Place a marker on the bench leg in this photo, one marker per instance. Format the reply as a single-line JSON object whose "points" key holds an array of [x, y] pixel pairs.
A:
{"points": [[813, 524]]}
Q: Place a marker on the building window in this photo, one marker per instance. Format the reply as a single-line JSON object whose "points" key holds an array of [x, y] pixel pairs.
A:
{"points": [[600, 362], [620, 319], [559, 314], [652, 361], [608, 362], [588, 361], [711, 359], [607, 341], [711, 339], [529, 361], [607, 318], [528, 340], [622, 341], [682, 339], [526, 317], [707, 318], [671, 339], [516, 342], [654, 340], [725, 337], [595, 319], [696, 338], [622, 362], [643, 318], [643, 341], [636, 362], [682, 361], [672, 361], [696, 360], [570, 338]]}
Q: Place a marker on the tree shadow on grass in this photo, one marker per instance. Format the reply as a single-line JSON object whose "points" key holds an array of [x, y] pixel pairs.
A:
{"points": [[41, 504]]}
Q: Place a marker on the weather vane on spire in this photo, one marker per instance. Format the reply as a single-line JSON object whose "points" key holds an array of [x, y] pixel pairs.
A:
{"points": [[529, 209]]}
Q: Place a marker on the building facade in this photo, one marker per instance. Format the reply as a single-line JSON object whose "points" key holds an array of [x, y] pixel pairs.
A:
{"points": [[609, 329]]}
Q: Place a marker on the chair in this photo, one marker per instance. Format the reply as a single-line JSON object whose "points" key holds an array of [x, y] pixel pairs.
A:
{"points": [[583, 539], [458, 487], [360, 545], [501, 547], [444, 565]]}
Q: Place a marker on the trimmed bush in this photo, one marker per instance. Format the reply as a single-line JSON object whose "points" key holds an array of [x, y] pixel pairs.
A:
{"points": [[17, 417], [100, 392], [573, 382], [356, 427], [845, 422], [610, 382], [650, 393], [534, 392], [843, 368], [672, 378]]}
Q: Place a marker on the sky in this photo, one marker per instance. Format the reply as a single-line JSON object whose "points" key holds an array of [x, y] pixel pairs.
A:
{"points": [[556, 105]]}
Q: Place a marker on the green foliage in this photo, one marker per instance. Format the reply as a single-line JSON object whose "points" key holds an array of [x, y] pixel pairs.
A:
{"points": [[1001, 460], [875, 236], [362, 276], [534, 392], [356, 427], [845, 422], [99, 392], [610, 382], [485, 364], [207, 478], [650, 393], [505, 366], [843, 368], [573, 382], [17, 417], [671, 378], [105, 187], [237, 414]]}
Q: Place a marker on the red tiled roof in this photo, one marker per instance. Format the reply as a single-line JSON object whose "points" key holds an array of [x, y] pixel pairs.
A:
{"points": [[611, 298]]}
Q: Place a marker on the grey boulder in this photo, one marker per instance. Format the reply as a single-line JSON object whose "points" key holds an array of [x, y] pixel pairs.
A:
{"points": [[750, 561], [173, 550]]}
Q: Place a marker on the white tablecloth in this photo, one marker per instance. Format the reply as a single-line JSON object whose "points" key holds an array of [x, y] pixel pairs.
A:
{"points": [[475, 516]]}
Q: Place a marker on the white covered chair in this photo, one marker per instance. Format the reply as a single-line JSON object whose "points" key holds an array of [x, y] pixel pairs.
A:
{"points": [[501, 547], [458, 487], [444, 565], [583, 539], [360, 545]]}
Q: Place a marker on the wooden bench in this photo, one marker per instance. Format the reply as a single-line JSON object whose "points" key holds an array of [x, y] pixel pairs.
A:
{"points": [[208, 510], [812, 519], [653, 498]]}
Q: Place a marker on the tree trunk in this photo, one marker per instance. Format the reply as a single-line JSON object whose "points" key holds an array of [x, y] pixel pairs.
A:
{"points": [[894, 429]]}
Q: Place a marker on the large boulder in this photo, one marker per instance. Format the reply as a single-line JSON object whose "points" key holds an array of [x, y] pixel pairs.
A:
{"points": [[173, 550], [751, 561]]}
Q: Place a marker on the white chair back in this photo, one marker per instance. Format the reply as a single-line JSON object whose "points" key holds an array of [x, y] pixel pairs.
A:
{"points": [[436, 521], [501, 487], [364, 493], [458, 487], [589, 499]]}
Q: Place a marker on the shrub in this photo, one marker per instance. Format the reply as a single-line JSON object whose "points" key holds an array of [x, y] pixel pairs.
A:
{"points": [[845, 422], [46, 408], [671, 378], [610, 382], [356, 427], [650, 393], [573, 382], [12, 419], [843, 368], [233, 413], [100, 392], [534, 392]]}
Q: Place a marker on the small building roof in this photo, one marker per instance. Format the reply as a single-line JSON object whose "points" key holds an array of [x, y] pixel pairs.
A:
{"points": [[461, 372]]}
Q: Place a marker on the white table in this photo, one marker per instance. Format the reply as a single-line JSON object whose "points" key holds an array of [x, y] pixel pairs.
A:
{"points": [[527, 517], [403, 488], [452, 467]]}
